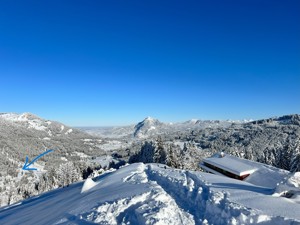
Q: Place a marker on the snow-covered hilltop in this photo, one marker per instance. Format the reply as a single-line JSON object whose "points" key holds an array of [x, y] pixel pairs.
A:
{"points": [[33, 122], [155, 194]]}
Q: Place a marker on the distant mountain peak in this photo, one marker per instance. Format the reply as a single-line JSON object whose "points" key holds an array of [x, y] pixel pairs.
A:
{"points": [[192, 121], [29, 116], [149, 118], [152, 121], [146, 126], [19, 117]]}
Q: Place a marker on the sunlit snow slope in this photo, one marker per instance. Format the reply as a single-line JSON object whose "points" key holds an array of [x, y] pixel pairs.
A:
{"points": [[154, 194]]}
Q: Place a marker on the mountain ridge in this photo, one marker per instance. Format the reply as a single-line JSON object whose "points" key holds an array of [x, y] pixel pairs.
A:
{"points": [[150, 126]]}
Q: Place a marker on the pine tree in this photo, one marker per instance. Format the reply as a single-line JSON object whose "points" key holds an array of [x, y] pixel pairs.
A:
{"points": [[67, 173], [295, 165], [160, 154], [295, 162], [52, 178], [62, 175], [172, 159]]}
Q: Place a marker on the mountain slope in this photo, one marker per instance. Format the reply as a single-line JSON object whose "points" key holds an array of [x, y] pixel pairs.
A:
{"points": [[154, 194], [24, 135]]}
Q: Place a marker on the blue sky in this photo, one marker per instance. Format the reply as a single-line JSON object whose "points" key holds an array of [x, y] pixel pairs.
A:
{"points": [[115, 62]]}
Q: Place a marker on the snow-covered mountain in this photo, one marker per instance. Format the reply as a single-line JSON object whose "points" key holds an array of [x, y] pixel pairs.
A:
{"points": [[147, 127], [35, 123], [150, 127], [155, 194], [24, 135]]}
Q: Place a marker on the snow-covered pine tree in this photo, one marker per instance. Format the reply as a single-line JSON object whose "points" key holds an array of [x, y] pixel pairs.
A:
{"points": [[172, 159], [295, 161], [160, 154], [67, 173]]}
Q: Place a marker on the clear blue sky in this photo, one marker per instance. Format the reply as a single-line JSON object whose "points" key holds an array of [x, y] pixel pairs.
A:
{"points": [[116, 62]]}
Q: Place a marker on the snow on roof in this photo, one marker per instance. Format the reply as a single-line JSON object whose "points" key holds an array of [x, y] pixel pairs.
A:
{"points": [[231, 164]]}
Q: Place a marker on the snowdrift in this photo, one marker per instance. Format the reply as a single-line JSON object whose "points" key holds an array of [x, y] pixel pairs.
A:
{"points": [[155, 194]]}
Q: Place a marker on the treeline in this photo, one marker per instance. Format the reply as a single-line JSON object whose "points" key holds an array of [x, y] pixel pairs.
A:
{"points": [[169, 153]]}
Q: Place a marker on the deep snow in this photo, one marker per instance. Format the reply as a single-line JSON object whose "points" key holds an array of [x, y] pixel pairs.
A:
{"points": [[155, 194]]}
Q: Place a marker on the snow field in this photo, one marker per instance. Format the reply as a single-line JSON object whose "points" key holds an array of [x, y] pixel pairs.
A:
{"points": [[155, 194]]}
